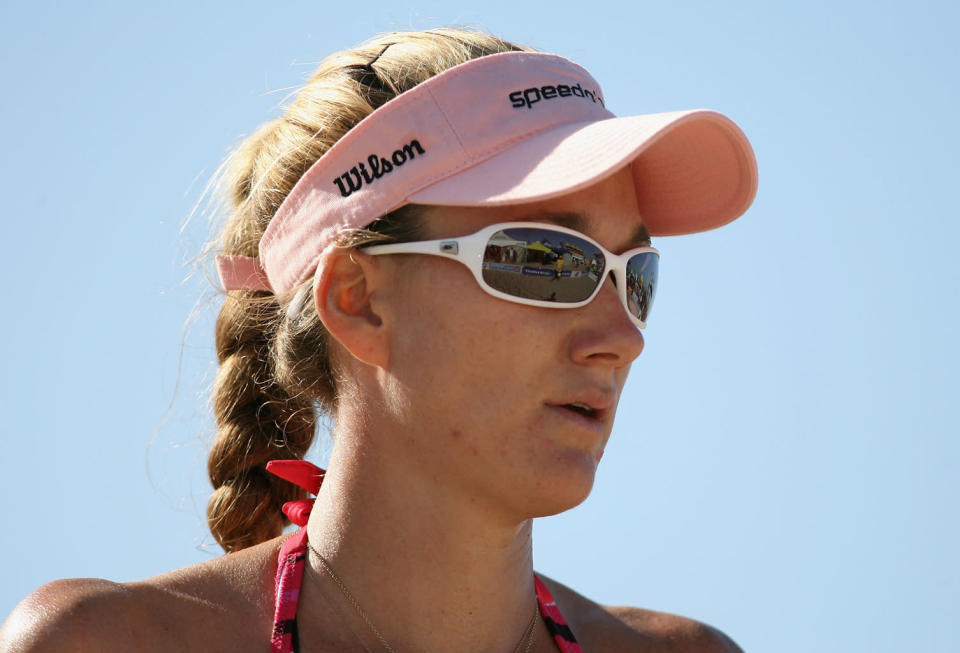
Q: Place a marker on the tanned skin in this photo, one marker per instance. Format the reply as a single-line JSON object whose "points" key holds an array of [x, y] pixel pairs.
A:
{"points": [[227, 605]]}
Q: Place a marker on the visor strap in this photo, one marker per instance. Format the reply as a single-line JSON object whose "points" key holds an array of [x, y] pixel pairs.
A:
{"points": [[242, 273]]}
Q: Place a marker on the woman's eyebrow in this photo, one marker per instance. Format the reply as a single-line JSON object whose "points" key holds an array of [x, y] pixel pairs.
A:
{"points": [[641, 238], [578, 222]]}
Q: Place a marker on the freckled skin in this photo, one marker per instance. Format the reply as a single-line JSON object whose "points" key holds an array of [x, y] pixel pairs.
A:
{"points": [[490, 365]]}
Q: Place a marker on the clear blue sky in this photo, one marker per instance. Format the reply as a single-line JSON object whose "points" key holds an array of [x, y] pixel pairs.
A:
{"points": [[784, 464]]}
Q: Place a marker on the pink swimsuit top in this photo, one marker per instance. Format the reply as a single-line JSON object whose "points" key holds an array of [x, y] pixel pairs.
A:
{"points": [[293, 556]]}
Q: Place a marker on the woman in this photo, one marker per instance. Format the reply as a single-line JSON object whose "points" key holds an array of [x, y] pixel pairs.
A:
{"points": [[358, 285]]}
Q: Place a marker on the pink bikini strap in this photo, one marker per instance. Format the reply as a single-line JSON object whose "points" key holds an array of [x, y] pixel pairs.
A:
{"points": [[293, 552], [556, 624]]}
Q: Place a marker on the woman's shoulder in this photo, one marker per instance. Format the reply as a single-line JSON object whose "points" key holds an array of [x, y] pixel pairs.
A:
{"points": [[620, 628], [62, 615], [228, 600]]}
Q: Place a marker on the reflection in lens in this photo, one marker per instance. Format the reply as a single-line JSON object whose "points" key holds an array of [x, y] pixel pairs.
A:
{"points": [[541, 263], [641, 283]]}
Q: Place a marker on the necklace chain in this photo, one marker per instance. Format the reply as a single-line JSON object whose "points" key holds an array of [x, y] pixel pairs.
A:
{"points": [[529, 633]]}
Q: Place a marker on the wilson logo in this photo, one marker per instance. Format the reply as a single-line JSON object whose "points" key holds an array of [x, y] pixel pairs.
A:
{"points": [[354, 178]]}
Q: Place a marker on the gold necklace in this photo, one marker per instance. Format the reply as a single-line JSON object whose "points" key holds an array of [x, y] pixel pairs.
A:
{"points": [[529, 633]]}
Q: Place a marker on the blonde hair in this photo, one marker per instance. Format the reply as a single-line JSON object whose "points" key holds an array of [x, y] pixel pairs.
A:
{"points": [[275, 370]]}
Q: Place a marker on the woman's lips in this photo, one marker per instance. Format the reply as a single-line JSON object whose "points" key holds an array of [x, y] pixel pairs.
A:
{"points": [[594, 424]]}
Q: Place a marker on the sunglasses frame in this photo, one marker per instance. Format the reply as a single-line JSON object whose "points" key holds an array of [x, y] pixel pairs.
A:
{"points": [[469, 250]]}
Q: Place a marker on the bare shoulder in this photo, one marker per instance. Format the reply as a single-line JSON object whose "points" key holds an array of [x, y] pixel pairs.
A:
{"points": [[618, 628], [62, 616], [182, 610]]}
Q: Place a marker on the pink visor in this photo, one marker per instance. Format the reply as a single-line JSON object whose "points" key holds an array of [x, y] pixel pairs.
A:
{"points": [[503, 129]]}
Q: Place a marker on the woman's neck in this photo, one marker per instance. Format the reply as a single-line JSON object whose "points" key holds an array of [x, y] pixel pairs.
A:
{"points": [[431, 569]]}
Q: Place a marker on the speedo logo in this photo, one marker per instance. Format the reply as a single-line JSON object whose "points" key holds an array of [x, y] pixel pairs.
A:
{"points": [[530, 96], [354, 178]]}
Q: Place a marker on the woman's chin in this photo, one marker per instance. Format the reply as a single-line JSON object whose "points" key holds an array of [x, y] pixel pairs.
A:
{"points": [[564, 487]]}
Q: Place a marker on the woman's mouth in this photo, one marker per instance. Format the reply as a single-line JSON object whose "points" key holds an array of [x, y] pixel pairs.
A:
{"points": [[581, 408]]}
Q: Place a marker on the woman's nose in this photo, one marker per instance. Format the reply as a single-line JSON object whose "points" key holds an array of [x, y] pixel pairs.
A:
{"points": [[609, 336]]}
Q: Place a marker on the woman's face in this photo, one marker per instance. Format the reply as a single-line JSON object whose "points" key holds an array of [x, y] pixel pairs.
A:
{"points": [[485, 384]]}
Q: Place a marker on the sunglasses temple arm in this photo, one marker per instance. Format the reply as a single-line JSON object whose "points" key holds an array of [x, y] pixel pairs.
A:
{"points": [[448, 248]]}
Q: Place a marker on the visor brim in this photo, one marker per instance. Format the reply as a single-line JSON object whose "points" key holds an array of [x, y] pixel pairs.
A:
{"points": [[693, 170]]}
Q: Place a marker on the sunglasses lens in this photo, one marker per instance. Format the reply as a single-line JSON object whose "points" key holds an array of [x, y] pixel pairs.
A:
{"points": [[543, 264], [641, 283]]}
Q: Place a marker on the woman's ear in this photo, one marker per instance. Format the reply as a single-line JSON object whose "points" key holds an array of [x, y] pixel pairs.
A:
{"points": [[344, 293]]}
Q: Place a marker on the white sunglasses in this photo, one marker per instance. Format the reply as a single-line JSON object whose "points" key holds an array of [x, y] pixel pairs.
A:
{"points": [[545, 265]]}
